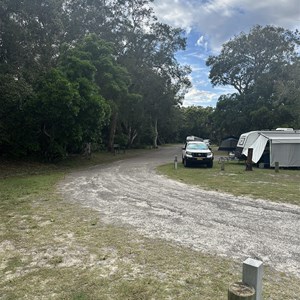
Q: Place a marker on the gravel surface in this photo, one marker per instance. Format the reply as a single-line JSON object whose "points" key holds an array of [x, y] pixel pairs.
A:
{"points": [[130, 193]]}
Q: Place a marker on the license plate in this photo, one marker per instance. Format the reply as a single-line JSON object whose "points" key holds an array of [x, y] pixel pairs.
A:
{"points": [[199, 158]]}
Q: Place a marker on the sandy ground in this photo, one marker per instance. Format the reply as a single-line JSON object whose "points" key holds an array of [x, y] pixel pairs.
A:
{"points": [[130, 193]]}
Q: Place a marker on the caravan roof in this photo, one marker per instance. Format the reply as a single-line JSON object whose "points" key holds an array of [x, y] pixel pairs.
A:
{"points": [[248, 138]]}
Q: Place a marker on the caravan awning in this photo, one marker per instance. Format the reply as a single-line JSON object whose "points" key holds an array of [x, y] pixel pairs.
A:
{"points": [[258, 148]]}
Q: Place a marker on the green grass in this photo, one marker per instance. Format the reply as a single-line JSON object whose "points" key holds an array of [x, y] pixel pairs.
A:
{"points": [[283, 186], [51, 249]]}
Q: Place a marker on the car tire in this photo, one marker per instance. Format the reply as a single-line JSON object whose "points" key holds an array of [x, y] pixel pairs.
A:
{"points": [[185, 163]]}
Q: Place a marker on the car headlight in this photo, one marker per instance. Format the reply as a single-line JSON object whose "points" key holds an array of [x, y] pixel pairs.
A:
{"points": [[188, 154], [209, 155]]}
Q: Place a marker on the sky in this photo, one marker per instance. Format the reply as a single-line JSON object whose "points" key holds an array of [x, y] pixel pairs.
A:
{"points": [[210, 23]]}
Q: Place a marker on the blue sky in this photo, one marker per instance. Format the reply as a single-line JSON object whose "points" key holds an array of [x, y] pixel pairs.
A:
{"points": [[210, 23]]}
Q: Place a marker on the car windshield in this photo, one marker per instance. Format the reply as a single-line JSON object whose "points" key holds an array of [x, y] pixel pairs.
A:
{"points": [[196, 146]]}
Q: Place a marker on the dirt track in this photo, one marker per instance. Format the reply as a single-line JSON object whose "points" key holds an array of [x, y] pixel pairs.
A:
{"points": [[130, 193]]}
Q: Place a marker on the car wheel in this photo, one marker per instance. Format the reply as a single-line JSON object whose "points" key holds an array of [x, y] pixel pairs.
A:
{"points": [[185, 163]]}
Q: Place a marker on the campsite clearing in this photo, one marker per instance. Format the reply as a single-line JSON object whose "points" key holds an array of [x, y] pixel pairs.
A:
{"points": [[260, 183], [53, 248]]}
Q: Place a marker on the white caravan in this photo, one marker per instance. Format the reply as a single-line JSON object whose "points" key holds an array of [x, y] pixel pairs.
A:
{"points": [[282, 146]]}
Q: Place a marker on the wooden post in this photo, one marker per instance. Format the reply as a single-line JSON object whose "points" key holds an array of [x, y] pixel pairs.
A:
{"points": [[175, 162], [276, 166], [241, 291], [249, 160]]}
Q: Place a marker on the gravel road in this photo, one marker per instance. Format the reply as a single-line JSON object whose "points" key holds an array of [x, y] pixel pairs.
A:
{"points": [[130, 193]]}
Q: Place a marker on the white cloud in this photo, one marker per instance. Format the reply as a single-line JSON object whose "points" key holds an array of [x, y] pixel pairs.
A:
{"points": [[197, 68], [172, 12], [198, 97], [201, 42], [210, 23], [220, 20]]}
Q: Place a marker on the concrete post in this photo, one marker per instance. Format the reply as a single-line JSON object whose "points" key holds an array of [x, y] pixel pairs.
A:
{"points": [[253, 275], [222, 165], [175, 162]]}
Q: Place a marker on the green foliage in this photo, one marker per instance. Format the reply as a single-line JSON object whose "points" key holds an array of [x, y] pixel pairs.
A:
{"points": [[262, 66], [53, 112], [286, 97], [111, 79], [15, 135], [82, 72], [30, 33], [247, 57], [196, 121], [79, 61], [70, 108]]}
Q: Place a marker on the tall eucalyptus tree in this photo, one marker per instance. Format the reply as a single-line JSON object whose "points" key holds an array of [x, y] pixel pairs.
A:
{"points": [[256, 64]]}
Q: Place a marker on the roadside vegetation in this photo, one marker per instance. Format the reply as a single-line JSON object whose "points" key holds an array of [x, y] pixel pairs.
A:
{"points": [[50, 248], [259, 183]]}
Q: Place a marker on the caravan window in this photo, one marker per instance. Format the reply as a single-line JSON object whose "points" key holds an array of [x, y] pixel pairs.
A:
{"points": [[242, 140]]}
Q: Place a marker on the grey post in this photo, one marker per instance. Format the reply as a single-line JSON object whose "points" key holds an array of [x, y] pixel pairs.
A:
{"points": [[253, 275], [175, 162], [276, 166], [222, 165]]}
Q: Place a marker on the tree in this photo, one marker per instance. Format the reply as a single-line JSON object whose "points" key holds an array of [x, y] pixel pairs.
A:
{"points": [[286, 97], [101, 52], [230, 118], [92, 59], [156, 74], [53, 113], [83, 17], [256, 65], [247, 57], [197, 120], [15, 137], [30, 34]]}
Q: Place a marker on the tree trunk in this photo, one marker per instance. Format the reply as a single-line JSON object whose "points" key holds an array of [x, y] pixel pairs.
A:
{"points": [[112, 132], [132, 134], [241, 291], [88, 150]]}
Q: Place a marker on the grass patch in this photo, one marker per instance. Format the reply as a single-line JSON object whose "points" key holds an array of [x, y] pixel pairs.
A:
{"points": [[260, 183], [10, 167], [51, 249]]}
